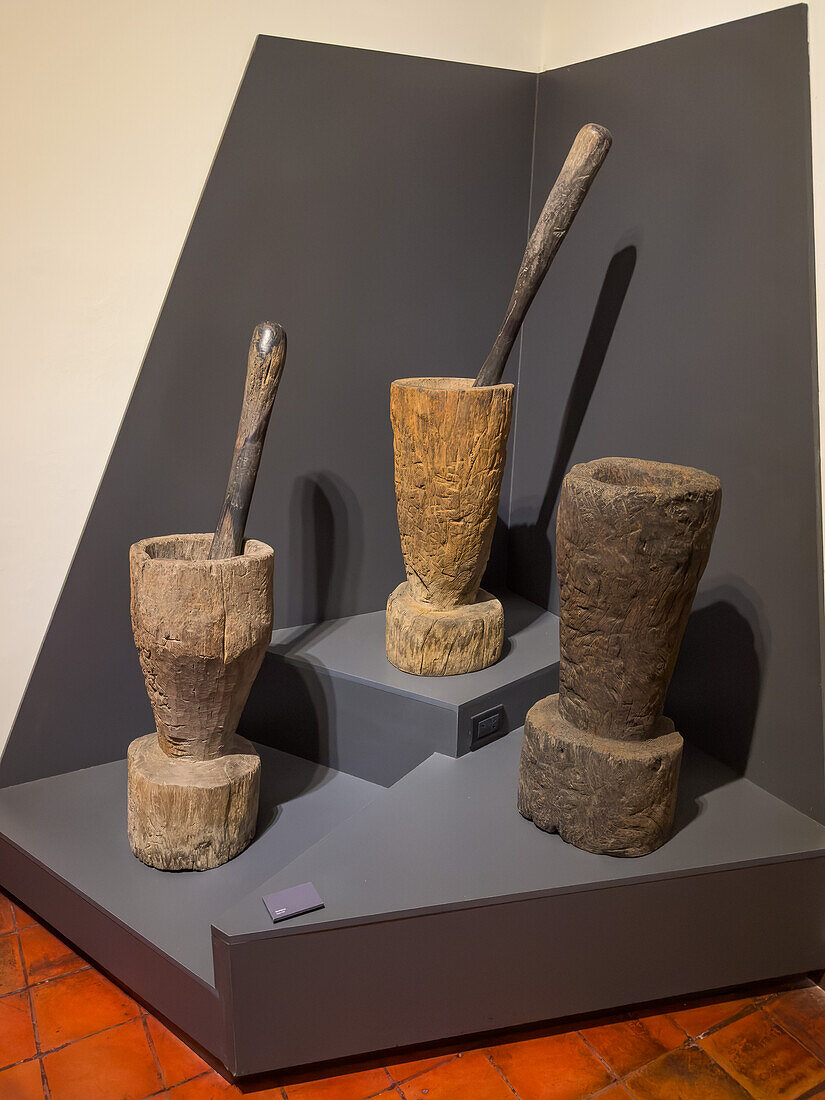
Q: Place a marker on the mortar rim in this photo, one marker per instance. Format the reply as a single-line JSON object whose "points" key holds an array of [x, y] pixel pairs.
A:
{"points": [[253, 551]]}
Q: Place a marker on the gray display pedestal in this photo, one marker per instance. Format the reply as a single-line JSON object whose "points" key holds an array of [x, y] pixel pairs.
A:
{"points": [[446, 913], [432, 882], [329, 694]]}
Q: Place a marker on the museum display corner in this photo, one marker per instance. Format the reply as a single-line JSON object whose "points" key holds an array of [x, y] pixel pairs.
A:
{"points": [[675, 325]]}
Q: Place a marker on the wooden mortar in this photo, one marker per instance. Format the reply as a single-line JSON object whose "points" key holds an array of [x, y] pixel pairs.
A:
{"points": [[202, 619], [450, 441], [201, 628], [600, 762]]}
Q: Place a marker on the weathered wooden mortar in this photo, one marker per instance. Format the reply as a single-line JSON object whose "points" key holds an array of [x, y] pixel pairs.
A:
{"points": [[600, 762], [202, 619], [450, 442], [201, 628]]}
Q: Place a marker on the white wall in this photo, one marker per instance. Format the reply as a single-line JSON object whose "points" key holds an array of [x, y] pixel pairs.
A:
{"points": [[592, 28], [111, 114]]}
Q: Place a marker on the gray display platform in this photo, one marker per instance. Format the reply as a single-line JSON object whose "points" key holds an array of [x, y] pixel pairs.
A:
{"points": [[328, 692], [66, 837], [79, 828], [435, 886]]}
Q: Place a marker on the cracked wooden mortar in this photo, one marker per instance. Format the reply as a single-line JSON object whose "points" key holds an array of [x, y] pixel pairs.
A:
{"points": [[201, 628], [202, 619]]}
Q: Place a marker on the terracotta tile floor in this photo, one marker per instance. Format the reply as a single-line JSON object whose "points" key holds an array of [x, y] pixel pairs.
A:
{"points": [[68, 1033]]}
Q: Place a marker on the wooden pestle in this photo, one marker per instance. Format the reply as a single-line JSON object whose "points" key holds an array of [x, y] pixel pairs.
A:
{"points": [[265, 365], [584, 160]]}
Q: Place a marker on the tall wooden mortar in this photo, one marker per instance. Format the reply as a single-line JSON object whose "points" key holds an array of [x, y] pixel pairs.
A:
{"points": [[600, 762], [450, 442]]}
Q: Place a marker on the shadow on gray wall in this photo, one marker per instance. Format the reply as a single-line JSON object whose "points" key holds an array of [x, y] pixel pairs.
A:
{"points": [[714, 693], [326, 536], [530, 553]]}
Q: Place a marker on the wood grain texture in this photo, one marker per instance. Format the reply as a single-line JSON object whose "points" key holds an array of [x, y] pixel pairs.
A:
{"points": [[600, 762], [604, 796], [191, 815], [586, 156], [265, 365], [201, 628], [427, 642], [632, 541], [450, 443]]}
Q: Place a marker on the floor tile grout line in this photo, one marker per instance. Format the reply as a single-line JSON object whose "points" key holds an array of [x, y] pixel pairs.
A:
{"points": [[56, 978], [418, 1073], [150, 1041], [186, 1080], [675, 1023], [692, 1042], [385, 1090], [748, 1010], [92, 1035], [606, 1065], [800, 1038], [44, 1080], [499, 1071], [48, 981]]}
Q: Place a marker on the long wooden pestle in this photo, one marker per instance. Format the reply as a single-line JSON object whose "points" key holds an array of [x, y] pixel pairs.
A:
{"points": [[265, 365], [584, 160]]}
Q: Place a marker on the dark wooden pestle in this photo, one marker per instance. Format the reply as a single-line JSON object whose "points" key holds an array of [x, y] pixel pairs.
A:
{"points": [[584, 160], [267, 354]]}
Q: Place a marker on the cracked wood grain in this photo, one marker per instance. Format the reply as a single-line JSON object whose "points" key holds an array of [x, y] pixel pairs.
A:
{"points": [[201, 628]]}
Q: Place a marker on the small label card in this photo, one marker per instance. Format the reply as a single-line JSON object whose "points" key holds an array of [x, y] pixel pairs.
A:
{"points": [[293, 901]]}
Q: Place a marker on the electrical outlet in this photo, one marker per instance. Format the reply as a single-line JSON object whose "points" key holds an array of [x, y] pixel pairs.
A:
{"points": [[486, 726]]}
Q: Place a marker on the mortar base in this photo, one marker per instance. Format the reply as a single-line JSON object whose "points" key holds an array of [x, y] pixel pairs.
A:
{"points": [[602, 795], [427, 642], [191, 815]]}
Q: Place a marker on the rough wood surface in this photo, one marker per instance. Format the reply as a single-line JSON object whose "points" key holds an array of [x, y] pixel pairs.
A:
{"points": [[190, 815], [603, 795], [265, 364], [426, 642], [450, 443], [600, 763], [201, 628], [584, 160], [633, 539]]}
